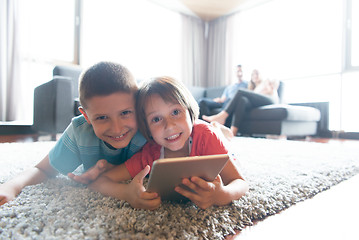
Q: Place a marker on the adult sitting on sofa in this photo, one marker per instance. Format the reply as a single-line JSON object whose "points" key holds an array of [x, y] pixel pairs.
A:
{"points": [[260, 93], [206, 105], [290, 120]]}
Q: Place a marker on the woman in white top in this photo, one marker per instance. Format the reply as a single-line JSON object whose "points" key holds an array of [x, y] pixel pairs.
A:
{"points": [[260, 93]]}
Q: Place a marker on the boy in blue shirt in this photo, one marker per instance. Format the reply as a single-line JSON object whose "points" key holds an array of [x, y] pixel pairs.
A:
{"points": [[207, 104], [106, 132]]}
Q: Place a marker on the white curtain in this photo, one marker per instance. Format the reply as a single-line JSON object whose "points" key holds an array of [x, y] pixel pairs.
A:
{"points": [[9, 60], [206, 51], [194, 51], [230, 66], [219, 64]]}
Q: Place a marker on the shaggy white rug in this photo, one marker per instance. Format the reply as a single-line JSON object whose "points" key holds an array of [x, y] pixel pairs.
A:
{"points": [[280, 173]]}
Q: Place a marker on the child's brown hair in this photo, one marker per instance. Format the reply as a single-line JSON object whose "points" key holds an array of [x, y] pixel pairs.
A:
{"points": [[105, 78], [170, 90]]}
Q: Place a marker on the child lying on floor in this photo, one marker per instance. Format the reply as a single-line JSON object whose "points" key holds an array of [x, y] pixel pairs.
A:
{"points": [[167, 116]]}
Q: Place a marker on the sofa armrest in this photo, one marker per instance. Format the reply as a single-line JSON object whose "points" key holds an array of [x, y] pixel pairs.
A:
{"points": [[53, 105], [76, 107], [71, 72], [323, 124]]}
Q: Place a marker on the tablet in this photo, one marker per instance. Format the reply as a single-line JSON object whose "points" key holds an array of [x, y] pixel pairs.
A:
{"points": [[167, 173]]}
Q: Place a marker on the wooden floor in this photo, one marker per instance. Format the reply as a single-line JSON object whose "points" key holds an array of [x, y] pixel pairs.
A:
{"points": [[332, 214], [17, 138], [26, 138]]}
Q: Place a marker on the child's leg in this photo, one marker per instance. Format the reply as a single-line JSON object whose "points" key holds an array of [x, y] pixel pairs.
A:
{"points": [[223, 131]]}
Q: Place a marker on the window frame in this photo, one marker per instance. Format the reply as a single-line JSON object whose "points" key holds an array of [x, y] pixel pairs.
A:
{"points": [[348, 44]]}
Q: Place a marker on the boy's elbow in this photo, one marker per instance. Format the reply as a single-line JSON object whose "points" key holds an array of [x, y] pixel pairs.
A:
{"points": [[245, 187], [46, 168], [242, 188]]}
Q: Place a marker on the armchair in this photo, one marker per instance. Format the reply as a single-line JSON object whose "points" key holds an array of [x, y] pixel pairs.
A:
{"points": [[56, 101]]}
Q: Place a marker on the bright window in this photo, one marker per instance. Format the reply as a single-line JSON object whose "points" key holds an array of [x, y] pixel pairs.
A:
{"points": [[290, 38], [301, 43], [47, 30], [46, 37], [350, 99], [146, 39], [354, 33]]}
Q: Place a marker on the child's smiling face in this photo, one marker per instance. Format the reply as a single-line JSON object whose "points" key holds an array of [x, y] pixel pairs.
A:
{"points": [[169, 123], [112, 118]]}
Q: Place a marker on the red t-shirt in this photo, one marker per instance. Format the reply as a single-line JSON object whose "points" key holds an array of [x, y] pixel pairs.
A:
{"points": [[204, 142]]}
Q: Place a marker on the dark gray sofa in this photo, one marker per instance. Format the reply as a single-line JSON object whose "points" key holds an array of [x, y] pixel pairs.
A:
{"points": [[56, 103], [291, 120]]}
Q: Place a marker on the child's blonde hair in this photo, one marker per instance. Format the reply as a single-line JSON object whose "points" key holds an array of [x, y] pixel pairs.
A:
{"points": [[170, 90]]}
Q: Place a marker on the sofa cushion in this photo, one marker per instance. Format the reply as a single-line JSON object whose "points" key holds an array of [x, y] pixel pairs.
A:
{"points": [[278, 127], [284, 112], [197, 92], [214, 92]]}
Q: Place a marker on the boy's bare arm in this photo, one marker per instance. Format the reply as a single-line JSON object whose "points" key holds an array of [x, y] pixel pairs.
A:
{"points": [[133, 192], [108, 182], [114, 175], [93, 173], [35, 175], [107, 187]]}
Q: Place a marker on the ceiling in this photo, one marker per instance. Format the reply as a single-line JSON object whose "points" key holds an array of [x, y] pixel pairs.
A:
{"points": [[206, 9]]}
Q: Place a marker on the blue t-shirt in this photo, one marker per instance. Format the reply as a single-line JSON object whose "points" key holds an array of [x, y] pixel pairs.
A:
{"points": [[232, 89], [79, 145]]}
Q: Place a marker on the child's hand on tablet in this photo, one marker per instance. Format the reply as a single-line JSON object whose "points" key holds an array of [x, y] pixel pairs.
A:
{"points": [[205, 193], [137, 195]]}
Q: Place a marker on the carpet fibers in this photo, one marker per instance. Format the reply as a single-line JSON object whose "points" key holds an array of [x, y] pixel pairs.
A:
{"points": [[280, 173]]}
